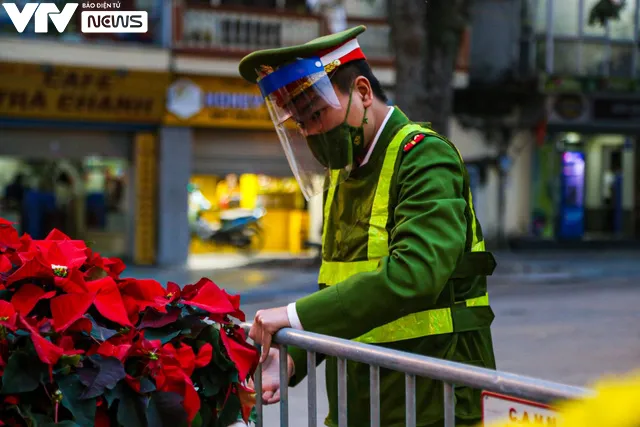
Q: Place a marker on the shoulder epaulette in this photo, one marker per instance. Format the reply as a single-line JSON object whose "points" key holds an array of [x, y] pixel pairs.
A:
{"points": [[416, 139]]}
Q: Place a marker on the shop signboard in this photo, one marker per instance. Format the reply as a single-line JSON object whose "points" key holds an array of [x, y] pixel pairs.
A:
{"points": [[76, 93], [620, 109], [212, 101]]}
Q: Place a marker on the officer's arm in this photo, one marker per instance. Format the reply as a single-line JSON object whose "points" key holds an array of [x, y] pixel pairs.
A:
{"points": [[428, 239]]}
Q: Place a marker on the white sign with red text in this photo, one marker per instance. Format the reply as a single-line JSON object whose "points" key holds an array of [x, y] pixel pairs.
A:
{"points": [[505, 411]]}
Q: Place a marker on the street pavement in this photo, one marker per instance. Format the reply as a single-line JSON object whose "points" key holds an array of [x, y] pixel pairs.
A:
{"points": [[569, 317]]}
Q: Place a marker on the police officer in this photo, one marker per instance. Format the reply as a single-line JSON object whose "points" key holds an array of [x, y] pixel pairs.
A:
{"points": [[404, 263]]}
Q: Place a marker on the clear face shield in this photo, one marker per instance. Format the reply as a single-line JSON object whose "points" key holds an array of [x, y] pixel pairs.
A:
{"points": [[301, 101]]}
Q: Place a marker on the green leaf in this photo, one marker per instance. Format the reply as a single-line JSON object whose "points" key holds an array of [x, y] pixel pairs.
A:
{"points": [[25, 412], [42, 420], [212, 336], [113, 395], [66, 360], [197, 421], [83, 410], [22, 374], [165, 410], [105, 373], [146, 386], [132, 407], [62, 424], [210, 379], [206, 414], [100, 333], [163, 334], [230, 413]]}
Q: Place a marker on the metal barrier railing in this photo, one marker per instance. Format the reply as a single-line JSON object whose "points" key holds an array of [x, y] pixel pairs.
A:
{"points": [[413, 365]]}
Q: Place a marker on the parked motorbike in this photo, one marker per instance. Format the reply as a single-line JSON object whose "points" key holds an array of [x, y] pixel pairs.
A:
{"points": [[239, 228]]}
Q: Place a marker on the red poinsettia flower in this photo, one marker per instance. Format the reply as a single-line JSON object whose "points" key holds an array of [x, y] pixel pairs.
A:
{"points": [[49, 259], [30, 268], [247, 397], [173, 379], [144, 293], [187, 358], [102, 416], [166, 365], [235, 302], [140, 294], [8, 315], [107, 349], [67, 308], [241, 353], [26, 298], [112, 266], [72, 283], [61, 256], [150, 349], [173, 292], [68, 345], [9, 238], [5, 264], [48, 352], [207, 296], [109, 301]]}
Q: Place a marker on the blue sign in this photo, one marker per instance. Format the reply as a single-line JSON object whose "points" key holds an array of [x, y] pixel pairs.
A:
{"points": [[571, 212]]}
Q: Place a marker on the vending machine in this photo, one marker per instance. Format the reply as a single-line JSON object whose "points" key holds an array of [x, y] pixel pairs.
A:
{"points": [[571, 209]]}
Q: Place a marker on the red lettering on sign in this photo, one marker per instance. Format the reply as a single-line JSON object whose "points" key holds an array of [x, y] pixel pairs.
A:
{"points": [[512, 414]]}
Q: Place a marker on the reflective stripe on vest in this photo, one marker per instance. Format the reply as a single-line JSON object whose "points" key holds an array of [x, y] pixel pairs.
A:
{"points": [[416, 325]]}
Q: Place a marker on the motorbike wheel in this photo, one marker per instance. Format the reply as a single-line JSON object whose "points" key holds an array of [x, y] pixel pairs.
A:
{"points": [[253, 240]]}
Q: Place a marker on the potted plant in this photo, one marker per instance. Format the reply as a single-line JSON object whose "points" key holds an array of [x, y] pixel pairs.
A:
{"points": [[82, 346]]}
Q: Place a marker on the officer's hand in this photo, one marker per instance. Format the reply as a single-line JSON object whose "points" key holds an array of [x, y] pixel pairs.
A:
{"points": [[265, 325], [271, 376]]}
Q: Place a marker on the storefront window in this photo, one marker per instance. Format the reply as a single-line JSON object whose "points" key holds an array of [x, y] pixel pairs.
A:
{"points": [[84, 199], [584, 186]]}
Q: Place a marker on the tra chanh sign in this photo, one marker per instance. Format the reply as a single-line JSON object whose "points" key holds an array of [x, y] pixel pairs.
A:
{"points": [[75, 93]]}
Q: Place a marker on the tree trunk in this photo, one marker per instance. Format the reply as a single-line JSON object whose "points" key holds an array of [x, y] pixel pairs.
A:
{"points": [[426, 37], [409, 35]]}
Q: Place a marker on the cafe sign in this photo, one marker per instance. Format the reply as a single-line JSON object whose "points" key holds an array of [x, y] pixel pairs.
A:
{"points": [[76, 93], [209, 101]]}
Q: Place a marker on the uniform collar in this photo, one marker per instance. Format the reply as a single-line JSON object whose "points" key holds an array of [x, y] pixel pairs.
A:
{"points": [[375, 140], [392, 123]]}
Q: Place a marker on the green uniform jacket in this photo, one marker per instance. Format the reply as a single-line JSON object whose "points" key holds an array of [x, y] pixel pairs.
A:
{"points": [[428, 233]]}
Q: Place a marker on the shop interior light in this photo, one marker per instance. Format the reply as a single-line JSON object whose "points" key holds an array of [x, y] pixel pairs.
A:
{"points": [[572, 138]]}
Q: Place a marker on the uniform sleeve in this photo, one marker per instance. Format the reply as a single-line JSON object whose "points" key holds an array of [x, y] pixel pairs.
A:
{"points": [[425, 245]]}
